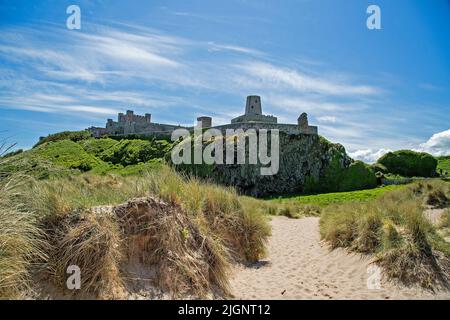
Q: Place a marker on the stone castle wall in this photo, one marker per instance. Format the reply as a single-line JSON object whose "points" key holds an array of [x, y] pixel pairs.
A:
{"points": [[129, 123]]}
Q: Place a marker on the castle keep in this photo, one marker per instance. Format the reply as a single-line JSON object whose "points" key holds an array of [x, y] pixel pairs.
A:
{"points": [[253, 118]]}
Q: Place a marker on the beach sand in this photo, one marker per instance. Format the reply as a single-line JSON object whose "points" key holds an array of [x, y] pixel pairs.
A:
{"points": [[300, 266]]}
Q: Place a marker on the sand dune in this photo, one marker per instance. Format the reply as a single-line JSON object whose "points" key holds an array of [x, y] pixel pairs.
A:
{"points": [[300, 266]]}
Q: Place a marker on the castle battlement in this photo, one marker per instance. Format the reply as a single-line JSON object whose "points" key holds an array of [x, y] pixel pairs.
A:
{"points": [[130, 123]]}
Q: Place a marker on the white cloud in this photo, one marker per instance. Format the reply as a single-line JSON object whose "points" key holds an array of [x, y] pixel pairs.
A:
{"points": [[268, 75], [368, 155], [327, 119], [218, 47], [438, 144]]}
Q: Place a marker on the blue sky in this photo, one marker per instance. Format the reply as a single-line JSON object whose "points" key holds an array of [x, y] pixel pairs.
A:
{"points": [[371, 90]]}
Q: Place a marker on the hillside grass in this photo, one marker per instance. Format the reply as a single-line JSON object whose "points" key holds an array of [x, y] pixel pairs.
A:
{"points": [[394, 228], [58, 156]]}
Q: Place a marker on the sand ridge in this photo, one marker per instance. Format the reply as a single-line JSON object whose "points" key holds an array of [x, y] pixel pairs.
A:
{"points": [[300, 266]]}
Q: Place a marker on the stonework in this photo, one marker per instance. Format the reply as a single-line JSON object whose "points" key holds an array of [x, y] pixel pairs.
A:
{"points": [[253, 118]]}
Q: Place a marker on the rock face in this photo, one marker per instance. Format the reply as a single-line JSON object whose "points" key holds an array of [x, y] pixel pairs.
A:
{"points": [[307, 163]]}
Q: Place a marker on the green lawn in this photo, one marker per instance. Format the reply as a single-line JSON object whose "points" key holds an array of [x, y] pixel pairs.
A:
{"points": [[325, 199]]}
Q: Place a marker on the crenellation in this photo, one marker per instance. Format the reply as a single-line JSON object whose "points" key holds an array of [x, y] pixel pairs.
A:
{"points": [[130, 123]]}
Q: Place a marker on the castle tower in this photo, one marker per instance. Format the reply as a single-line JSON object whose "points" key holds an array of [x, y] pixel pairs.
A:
{"points": [[253, 105], [130, 115], [303, 121], [148, 117], [204, 122]]}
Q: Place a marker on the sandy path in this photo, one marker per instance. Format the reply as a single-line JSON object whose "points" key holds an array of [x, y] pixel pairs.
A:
{"points": [[299, 266]]}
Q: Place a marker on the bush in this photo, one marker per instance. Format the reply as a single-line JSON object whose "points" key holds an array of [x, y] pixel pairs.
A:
{"points": [[409, 163], [357, 176], [130, 152], [67, 154]]}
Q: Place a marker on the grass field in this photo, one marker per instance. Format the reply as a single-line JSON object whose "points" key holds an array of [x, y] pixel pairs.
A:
{"points": [[325, 199]]}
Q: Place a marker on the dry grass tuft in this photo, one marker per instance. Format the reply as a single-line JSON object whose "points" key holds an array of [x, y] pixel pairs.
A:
{"points": [[20, 241], [91, 242], [185, 230], [395, 229], [162, 235]]}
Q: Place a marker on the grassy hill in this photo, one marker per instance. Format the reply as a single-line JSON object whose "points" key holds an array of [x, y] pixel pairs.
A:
{"points": [[72, 153]]}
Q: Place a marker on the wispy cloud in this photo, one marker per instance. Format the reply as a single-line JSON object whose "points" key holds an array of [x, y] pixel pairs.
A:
{"points": [[102, 71], [265, 75]]}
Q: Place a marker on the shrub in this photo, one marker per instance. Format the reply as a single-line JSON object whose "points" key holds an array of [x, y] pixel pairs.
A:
{"points": [[67, 154], [409, 163], [130, 152], [356, 176], [443, 164]]}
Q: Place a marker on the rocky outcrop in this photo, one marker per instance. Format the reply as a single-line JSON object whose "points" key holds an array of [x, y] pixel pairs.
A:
{"points": [[304, 160], [307, 163]]}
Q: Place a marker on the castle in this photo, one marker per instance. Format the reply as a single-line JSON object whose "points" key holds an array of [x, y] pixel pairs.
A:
{"points": [[253, 118]]}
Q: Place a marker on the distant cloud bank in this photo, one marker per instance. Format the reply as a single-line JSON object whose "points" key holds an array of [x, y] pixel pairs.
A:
{"points": [[437, 145]]}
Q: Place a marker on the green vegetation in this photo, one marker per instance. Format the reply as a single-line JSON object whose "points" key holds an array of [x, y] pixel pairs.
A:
{"points": [[409, 163], [74, 136], [394, 228], [357, 176], [325, 199], [69, 154], [443, 164], [130, 152], [57, 156]]}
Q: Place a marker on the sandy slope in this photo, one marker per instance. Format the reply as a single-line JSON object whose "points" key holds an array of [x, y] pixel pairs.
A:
{"points": [[299, 266]]}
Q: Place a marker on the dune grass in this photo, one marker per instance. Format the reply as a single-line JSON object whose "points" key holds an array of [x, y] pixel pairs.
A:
{"points": [[200, 229], [394, 228], [20, 239]]}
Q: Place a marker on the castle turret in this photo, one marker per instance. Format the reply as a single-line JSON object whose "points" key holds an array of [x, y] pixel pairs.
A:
{"points": [[204, 122], [253, 112], [303, 121], [130, 115], [148, 117], [253, 105]]}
